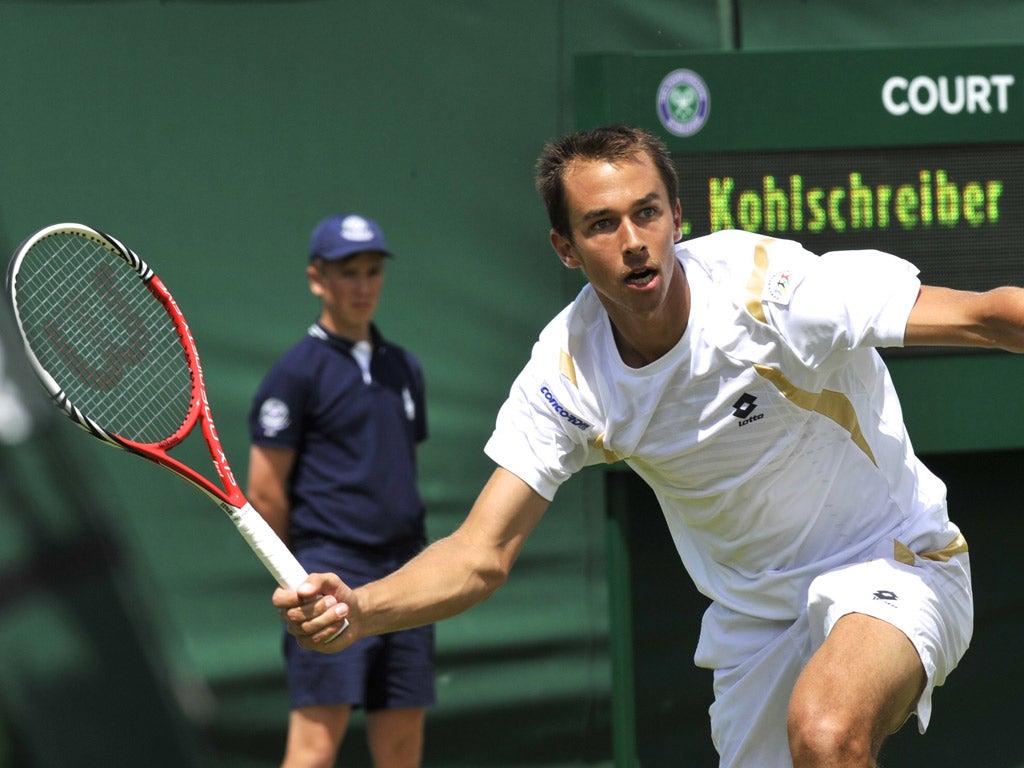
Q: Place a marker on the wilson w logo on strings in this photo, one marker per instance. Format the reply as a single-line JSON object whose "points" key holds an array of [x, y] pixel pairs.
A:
{"points": [[101, 361]]}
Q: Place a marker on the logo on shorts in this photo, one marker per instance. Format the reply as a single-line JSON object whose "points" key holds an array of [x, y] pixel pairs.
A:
{"points": [[885, 594], [683, 102]]}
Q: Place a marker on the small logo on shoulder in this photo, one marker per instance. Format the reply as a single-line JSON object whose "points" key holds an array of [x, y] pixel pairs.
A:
{"points": [[778, 287], [274, 416]]}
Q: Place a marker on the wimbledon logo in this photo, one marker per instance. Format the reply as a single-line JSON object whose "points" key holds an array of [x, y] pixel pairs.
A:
{"points": [[683, 102]]}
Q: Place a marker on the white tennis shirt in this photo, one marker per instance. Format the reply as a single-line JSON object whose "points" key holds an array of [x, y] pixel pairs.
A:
{"points": [[771, 433]]}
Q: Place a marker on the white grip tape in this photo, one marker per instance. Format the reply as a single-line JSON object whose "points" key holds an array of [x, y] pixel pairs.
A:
{"points": [[268, 547], [272, 551]]}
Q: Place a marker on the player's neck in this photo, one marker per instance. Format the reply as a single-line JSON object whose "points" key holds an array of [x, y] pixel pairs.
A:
{"points": [[641, 340]]}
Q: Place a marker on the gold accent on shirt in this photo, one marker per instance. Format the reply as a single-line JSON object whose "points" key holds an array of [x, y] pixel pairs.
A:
{"points": [[903, 554], [834, 405], [755, 286]]}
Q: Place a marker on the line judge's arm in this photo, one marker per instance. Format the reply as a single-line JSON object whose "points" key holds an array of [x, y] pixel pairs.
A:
{"points": [[267, 489]]}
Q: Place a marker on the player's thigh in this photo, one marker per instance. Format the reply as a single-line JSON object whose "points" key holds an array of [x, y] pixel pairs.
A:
{"points": [[315, 733], [866, 677], [927, 605], [395, 736]]}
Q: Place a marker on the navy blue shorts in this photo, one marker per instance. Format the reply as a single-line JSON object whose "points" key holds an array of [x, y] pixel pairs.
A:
{"points": [[390, 671]]}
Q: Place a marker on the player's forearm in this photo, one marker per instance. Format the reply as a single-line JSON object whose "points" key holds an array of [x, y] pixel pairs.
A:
{"points": [[459, 571], [1003, 318], [444, 580], [992, 319], [448, 577]]}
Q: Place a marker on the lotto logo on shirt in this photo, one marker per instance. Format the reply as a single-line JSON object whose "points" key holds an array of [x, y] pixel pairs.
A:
{"points": [[569, 416]]}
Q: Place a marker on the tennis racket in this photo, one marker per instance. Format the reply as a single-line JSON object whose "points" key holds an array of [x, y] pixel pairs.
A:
{"points": [[112, 348]]}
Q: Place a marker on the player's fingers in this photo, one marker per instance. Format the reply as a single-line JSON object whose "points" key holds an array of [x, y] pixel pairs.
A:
{"points": [[328, 625], [316, 584], [333, 636], [319, 584], [284, 598], [310, 610], [327, 632]]}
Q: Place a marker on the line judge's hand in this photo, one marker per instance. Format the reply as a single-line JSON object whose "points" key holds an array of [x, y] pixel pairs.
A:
{"points": [[315, 611]]}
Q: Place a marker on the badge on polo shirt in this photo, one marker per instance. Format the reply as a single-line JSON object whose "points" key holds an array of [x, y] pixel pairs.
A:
{"points": [[274, 416]]}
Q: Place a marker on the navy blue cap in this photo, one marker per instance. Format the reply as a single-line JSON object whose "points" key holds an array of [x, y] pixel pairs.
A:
{"points": [[344, 235]]}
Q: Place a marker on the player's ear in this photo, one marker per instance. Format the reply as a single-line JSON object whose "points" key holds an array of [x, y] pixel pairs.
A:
{"points": [[677, 221], [564, 248]]}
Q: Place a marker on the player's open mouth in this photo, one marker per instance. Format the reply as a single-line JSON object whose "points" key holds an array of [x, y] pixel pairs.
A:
{"points": [[641, 278]]}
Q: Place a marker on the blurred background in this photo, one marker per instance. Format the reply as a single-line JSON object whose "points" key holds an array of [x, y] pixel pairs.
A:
{"points": [[210, 136]]}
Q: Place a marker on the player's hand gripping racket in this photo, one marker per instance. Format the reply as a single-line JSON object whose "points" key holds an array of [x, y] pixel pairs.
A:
{"points": [[110, 345]]}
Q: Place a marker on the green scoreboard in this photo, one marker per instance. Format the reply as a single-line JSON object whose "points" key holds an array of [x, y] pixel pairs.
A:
{"points": [[916, 151], [919, 152]]}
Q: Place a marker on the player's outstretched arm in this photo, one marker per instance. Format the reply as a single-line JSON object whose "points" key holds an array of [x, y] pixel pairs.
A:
{"points": [[992, 319], [449, 576]]}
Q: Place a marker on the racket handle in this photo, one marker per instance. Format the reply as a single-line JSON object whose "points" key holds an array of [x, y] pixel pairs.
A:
{"points": [[272, 551], [268, 546]]}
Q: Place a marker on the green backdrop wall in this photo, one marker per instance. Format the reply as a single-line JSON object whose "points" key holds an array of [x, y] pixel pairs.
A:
{"points": [[211, 136]]}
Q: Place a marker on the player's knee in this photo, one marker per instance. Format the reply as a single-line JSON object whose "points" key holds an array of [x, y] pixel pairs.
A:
{"points": [[822, 736]]}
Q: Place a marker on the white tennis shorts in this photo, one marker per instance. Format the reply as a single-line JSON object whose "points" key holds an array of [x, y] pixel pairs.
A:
{"points": [[757, 662]]}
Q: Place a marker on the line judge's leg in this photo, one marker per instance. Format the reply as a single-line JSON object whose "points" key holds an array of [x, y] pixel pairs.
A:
{"points": [[314, 735]]}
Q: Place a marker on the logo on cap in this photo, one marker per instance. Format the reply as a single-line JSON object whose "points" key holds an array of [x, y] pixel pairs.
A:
{"points": [[341, 236], [356, 229]]}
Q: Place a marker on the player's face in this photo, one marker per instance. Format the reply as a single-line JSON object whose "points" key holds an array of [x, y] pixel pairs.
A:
{"points": [[623, 232], [348, 290]]}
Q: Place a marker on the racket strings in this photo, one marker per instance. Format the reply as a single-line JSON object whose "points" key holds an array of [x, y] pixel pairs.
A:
{"points": [[103, 337]]}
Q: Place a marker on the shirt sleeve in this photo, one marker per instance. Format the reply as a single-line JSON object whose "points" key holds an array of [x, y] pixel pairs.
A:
{"points": [[277, 416], [840, 301], [542, 433]]}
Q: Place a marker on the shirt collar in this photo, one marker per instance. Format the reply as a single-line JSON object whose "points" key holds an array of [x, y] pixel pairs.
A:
{"points": [[317, 331]]}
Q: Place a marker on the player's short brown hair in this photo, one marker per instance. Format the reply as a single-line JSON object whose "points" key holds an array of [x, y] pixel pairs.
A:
{"points": [[610, 143]]}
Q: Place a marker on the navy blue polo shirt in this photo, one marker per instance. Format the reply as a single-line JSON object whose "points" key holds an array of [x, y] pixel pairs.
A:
{"points": [[354, 478]]}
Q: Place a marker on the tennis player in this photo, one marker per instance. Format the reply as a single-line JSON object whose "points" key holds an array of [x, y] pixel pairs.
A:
{"points": [[738, 376]]}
